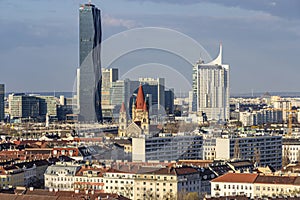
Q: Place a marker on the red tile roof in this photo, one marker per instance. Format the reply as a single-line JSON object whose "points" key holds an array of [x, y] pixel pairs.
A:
{"points": [[236, 178]]}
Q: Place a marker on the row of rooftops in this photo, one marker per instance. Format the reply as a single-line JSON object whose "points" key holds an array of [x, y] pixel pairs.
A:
{"points": [[19, 167], [22, 193], [258, 179]]}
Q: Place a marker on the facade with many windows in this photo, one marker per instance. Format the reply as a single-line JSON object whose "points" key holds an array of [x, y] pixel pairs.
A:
{"points": [[255, 185], [167, 147], [264, 149]]}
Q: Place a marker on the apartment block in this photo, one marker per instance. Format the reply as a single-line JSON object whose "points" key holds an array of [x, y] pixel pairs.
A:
{"points": [[255, 185], [264, 149], [167, 147]]}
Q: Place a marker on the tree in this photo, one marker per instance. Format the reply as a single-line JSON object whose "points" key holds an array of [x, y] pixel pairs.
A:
{"points": [[236, 153], [256, 156], [169, 196], [192, 196], [127, 190], [285, 156]]}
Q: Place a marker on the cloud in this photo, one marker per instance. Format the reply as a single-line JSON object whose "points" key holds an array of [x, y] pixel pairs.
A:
{"points": [[287, 8], [112, 21]]}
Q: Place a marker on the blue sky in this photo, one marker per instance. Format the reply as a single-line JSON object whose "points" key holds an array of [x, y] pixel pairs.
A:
{"points": [[261, 38]]}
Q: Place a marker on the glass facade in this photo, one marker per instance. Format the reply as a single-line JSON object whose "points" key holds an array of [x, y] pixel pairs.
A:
{"points": [[2, 94], [89, 73]]}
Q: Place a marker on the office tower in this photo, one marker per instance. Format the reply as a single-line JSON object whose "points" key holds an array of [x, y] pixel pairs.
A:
{"points": [[213, 89], [155, 90], [23, 106], [89, 73], [121, 91], [2, 94], [48, 105], [108, 77], [169, 101]]}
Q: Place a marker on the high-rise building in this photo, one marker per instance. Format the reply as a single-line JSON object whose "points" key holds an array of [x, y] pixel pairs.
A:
{"points": [[89, 72], [2, 94], [213, 89], [23, 106], [154, 89], [169, 101], [108, 77], [122, 90]]}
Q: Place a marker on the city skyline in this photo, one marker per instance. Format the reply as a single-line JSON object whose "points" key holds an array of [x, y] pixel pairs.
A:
{"points": [[259, 37]]}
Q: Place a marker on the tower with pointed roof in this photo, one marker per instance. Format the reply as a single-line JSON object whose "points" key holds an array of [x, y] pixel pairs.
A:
{"points": [[140, 114], [123, 121]]}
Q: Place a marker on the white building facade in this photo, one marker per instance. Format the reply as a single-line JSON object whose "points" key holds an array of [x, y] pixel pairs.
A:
{"points": [[213, 89]]}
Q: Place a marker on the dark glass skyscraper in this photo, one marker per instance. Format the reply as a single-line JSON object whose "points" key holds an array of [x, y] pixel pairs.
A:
{"points": [[89, 72], [2, 94]]}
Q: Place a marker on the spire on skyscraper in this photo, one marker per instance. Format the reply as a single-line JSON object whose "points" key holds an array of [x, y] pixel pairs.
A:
{"points": [[218, 59]]}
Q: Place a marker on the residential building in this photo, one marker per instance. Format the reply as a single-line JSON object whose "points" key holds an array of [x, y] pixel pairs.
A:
{"points": [[89, 71], [167, 183], [209, 148], [291, 149], [11, 176], [263, 149], [61, 176], [2, 106], [167, 147], [233, 184], [260, 117], [33, 171], [256, 186], [213, 89], [38, 194]]}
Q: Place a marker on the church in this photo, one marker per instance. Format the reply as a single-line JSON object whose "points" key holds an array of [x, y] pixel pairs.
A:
{"points": [[139, 124]]}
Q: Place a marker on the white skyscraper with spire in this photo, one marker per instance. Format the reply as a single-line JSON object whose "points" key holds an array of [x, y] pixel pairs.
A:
{"points": [[213, 88]]}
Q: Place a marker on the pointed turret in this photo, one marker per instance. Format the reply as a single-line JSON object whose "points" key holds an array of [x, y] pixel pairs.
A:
{"points": [[123, 108], [140, 98], [145, 107], [218, 59]]}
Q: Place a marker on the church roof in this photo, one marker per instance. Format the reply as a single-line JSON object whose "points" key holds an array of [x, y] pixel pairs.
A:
{"points": [[140, 99], [123, 109]]}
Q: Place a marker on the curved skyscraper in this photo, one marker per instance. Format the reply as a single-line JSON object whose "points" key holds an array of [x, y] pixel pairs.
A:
{"points": [[89, 72], [213, 89]]}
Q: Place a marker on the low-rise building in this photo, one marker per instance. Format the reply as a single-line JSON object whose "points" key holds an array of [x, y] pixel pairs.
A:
{"points": [[234, 184], [11, 176], [167, 183], [61, 176], [255, 185]]}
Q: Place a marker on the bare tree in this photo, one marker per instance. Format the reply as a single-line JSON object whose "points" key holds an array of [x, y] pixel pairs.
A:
{"points": [[237, 152], [285, 157]]}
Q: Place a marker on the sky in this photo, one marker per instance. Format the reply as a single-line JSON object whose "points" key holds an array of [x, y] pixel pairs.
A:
{"points": [[260, 38]]}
